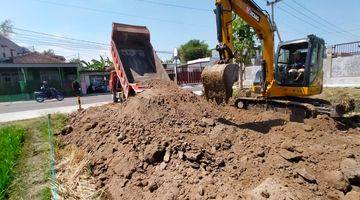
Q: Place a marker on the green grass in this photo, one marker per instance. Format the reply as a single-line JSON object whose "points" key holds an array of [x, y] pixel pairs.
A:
{"points": [[45, 194], [335, 95], [31, 174], [11, 142]]}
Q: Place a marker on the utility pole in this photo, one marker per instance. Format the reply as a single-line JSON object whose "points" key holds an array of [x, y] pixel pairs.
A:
{"points": [[272, 5]]}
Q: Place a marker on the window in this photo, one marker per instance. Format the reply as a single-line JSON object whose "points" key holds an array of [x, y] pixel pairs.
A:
{"points": [[291, 61], [284, 56], [49, 76], [314, 56], [315, 65], [9, 78], [6, 78]]}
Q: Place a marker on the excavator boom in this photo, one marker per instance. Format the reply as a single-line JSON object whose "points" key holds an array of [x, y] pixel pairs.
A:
{"points": [[218, 79]]}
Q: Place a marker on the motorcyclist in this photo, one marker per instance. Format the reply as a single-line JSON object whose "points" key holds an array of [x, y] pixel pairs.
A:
{"points": [[44, 88]]}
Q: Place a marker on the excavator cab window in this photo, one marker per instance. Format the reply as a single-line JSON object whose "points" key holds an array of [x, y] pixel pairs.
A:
{"points": [[291, 62], [317, 58], [299, 63]]}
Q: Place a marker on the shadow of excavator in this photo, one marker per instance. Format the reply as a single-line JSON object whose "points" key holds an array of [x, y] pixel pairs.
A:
{"points": [[261, 127]]}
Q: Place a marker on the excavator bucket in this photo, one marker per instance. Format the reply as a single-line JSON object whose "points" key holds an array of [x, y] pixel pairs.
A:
{"points": [[218, 81]]}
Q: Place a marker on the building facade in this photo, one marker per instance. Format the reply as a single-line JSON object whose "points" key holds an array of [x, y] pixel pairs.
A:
{"points": [[24, 74]]}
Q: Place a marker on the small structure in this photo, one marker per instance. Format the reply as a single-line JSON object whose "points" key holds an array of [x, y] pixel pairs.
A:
{"points": [[97, 80], [22, 75]]}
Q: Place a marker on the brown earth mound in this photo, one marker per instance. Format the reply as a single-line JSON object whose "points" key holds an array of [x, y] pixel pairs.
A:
{"points": [[167, 143]]}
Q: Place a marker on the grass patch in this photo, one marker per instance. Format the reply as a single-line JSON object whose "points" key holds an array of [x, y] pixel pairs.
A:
{"points": [[11, 142], [45, 194], [32, 174], [335, 95]]}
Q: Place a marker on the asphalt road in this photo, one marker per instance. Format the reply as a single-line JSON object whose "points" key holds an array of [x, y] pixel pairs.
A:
{"points": [[10, 107], [13, 111]]}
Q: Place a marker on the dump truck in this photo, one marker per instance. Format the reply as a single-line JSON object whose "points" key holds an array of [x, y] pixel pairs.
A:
{"points": [[135, 61]]}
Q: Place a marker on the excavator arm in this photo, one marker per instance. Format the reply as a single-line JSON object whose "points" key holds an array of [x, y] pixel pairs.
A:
{"points": [[218, 79]]}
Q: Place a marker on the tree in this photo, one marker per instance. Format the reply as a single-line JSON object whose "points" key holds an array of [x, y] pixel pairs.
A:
{"points": [[97, 65], [6, 27], [194, 49], [49, 52], [244, 44], [75, 60]]}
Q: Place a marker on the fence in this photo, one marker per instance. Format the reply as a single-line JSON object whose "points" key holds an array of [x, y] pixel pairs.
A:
{"points": [[346, 49], [189, 74]]}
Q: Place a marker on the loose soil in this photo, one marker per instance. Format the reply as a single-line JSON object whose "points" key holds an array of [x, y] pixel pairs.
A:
{"points": [[167, 143]]}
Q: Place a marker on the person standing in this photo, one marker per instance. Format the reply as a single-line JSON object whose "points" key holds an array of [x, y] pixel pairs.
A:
{"points": [[76, 88]]}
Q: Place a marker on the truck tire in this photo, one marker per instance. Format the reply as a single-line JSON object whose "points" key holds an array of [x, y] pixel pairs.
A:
{"points": [[114, 97]]}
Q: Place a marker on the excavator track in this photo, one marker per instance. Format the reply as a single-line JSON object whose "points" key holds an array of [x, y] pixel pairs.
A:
{"points": [[298, 108]]}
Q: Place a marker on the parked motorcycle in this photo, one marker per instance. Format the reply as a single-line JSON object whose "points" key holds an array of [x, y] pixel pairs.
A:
{"points": [[50, 93]]}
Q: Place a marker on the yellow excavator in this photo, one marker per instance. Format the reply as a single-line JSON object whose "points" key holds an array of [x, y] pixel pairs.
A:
{"points": [[285, 79]]}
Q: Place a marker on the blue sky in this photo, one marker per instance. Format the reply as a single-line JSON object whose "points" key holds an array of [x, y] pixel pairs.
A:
{"points": [[170, 26]]}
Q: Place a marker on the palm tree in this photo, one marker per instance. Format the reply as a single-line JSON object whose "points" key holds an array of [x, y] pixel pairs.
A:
{"points": [[98, 65]]}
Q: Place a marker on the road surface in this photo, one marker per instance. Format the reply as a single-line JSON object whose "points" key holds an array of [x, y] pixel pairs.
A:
{"points": [[11, 111]]}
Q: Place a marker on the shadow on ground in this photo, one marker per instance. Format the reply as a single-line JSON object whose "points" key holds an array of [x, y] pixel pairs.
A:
{"points": [[261, 127]]}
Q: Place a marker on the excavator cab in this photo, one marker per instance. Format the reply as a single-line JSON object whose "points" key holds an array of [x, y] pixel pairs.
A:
{"points": [[299, 63]]}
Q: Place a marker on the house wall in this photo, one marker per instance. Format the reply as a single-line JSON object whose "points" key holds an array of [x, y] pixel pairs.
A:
{"points": [[28, 80], [9, 49], [86, 77], [9, 81]]}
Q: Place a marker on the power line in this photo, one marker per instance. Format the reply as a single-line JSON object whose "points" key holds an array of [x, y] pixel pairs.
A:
{"points": [[175, 5], [103, 11], [323, 19], [325, 31], [53, 40], [329, 25], [62, 37], [303, 20]]}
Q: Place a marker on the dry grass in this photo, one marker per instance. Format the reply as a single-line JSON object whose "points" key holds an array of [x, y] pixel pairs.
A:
{"points": [[73, 175]]}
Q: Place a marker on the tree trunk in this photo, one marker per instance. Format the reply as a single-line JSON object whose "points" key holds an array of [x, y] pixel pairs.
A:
{"points": [[241, 76]]}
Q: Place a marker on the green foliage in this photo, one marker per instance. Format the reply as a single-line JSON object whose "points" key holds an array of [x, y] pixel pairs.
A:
{"points": [[244, 40], [97, 65], [6, 27], [75, 60], [45, 194], [194, 49], [11, 141]]}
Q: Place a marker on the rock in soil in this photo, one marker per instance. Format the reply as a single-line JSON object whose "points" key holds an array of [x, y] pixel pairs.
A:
{"points": [[306, 175], [336, 179], [351, 170], [353, 195], [272, 189]]}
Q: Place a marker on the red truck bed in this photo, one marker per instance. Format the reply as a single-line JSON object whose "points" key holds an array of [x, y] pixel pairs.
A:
{"points": [[135, 60]]}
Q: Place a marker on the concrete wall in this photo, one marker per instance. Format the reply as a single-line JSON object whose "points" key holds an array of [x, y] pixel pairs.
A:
{"points": [[338, 72], [342, 71]]}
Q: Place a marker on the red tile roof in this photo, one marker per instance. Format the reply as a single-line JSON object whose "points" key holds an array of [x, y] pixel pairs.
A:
{"points": [[37, 58]]}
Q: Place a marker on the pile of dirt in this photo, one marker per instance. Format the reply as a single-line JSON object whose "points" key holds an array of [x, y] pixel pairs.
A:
{"points": [[167, 143]]}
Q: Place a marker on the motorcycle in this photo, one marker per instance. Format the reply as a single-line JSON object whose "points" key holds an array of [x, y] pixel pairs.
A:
{"points": [[50, 93]]}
